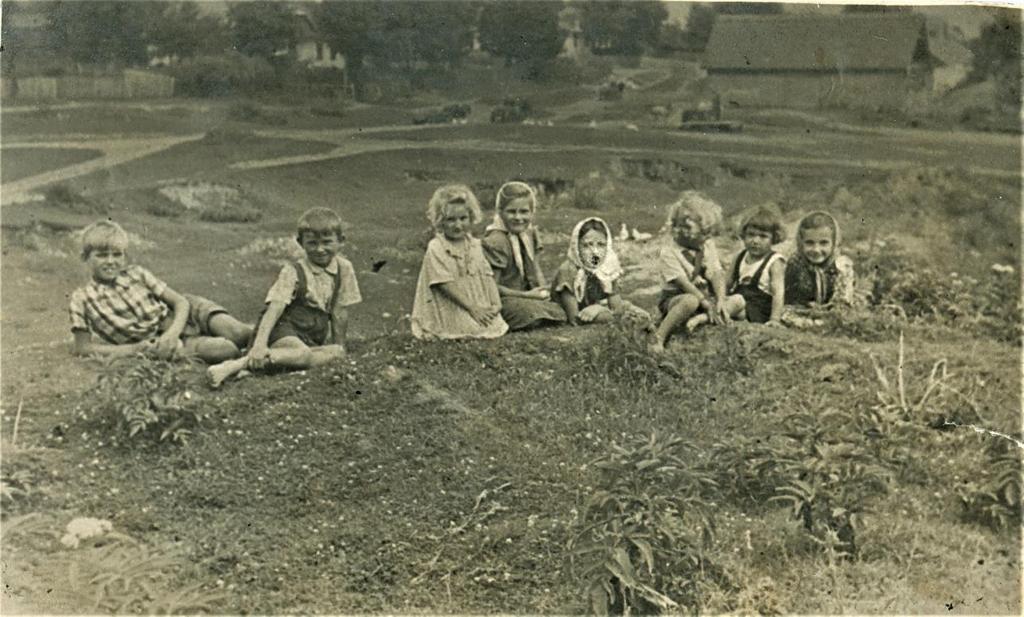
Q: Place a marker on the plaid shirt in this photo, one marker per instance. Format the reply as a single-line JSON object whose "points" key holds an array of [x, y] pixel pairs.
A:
{"points": [[127, 310]]}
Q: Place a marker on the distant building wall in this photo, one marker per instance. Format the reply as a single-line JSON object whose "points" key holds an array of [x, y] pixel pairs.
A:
{"points": [[812, 90], [130, 84], [37, 88]]}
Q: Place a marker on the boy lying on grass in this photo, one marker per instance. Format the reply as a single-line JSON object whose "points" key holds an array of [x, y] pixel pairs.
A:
{"points": [[305, 318], [129, 311]]}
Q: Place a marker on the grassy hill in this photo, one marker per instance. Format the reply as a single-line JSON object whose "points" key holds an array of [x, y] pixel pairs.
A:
{"points": [[460, 477]]}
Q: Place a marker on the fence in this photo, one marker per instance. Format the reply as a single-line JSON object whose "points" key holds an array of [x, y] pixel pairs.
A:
{"points": [[130, 84]]}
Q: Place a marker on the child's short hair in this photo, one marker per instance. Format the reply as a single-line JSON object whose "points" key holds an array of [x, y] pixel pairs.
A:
{"points": [[817, 220], [103, 234], [700, 207], [320, 220], [511, 191], [450, 194], [767, 219]]}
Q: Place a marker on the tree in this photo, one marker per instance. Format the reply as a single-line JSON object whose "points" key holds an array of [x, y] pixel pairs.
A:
{"points": [[876, 8], [349, 28], [443, 32], [440, 33], [178, 29], [997, 54], [699, 23], [101, 32], [748, 8], [524, 31], [618, 27], [261, 28]]}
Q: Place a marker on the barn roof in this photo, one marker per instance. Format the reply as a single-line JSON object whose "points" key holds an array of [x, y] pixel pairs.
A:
{"points": [[816, 42]]}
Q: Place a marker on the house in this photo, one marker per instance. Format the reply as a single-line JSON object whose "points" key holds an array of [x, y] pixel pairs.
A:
{"points": [[806, 60], [569, 22], [310, 46]]}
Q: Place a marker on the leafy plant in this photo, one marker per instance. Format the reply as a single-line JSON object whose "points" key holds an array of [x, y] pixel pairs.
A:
{"points": [[828, 475], [994, 497], [646, 530], [145, 396]]}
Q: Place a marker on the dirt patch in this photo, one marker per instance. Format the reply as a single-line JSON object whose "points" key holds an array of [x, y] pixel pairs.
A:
{"points": [[214, 202], [674, 173]]}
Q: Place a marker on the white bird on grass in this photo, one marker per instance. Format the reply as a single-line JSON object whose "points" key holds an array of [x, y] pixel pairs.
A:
{"points": [[640, 236]]}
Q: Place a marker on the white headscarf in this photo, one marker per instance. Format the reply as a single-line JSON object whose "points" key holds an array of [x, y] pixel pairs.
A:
{"points": [[606, 272], [530, 239]]}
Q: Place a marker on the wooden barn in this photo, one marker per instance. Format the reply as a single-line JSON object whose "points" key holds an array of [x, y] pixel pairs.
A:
{"points": [[810, 61]]}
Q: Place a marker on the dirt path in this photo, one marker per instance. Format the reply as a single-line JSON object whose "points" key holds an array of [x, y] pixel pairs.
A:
{"points": [[350, 144], [115, 152]]}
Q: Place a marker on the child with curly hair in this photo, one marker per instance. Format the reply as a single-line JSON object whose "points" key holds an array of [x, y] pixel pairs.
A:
{"points": [[693, 290]]}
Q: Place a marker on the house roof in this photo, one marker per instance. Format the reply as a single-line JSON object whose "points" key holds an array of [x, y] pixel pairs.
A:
{"points": [[810, 42]]}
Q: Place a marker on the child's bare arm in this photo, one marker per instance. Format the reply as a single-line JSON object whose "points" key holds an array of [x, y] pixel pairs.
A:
{"points": [[777, 281], [258, 352], [536, 293], [483, 315], [568, 302], [85, 345], [339, 325], [717, 312], [167, 343]]}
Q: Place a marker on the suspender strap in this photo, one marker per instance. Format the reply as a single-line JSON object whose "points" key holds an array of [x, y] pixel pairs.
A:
{"points": [[756, 279], [300, 282], [334, 294]]}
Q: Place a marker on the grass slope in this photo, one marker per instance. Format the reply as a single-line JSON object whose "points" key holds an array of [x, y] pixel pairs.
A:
{"points": [[449, 477]]}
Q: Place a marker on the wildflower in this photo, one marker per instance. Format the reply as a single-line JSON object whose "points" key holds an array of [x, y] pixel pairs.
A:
{"points": [[1002, 269]]}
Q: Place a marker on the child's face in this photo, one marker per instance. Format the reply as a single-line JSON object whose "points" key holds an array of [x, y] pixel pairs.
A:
{"points": [[456, 222], [686, 231], [320, 246], [816, 244], [517, 215], [593, 247], [106, 262], [757, 241]]}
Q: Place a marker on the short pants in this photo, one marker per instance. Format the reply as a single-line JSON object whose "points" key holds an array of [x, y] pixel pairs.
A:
{"points": [[200, 312]]}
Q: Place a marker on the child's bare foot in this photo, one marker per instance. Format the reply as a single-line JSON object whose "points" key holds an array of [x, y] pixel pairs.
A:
{"points": [[695, 322], [654, 345], [218, 373]]}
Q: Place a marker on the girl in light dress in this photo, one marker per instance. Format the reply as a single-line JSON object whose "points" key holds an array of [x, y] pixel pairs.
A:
{"points": [[456, 294]]}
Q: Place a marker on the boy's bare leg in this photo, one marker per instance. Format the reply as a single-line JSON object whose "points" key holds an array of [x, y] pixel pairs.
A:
{"points": [[219, 373], [210, 349], [681, 309], [226, 326], [288, 353], [326, 354]]}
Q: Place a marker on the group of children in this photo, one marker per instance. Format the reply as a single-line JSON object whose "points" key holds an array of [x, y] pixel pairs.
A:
{"points": [[467, 287]]}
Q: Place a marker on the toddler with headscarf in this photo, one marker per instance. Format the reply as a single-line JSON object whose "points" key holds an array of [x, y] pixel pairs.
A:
{"points": [[585, 283], [818, 276], [456, 296], [511, 244]]}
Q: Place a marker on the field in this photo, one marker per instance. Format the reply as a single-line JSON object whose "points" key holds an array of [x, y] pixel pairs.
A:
{"points": [[461, 478]]}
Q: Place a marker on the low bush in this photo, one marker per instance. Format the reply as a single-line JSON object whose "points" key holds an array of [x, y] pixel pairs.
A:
{"points": [[223, 75], [140, 396], [231, 212], [63, 195], [646, 533]]}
